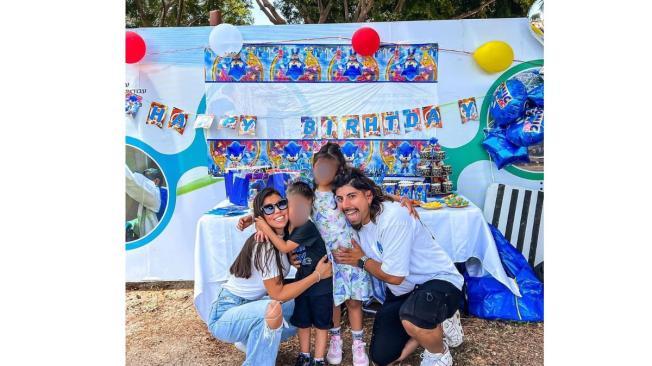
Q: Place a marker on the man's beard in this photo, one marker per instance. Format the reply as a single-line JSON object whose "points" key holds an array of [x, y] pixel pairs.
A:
{"points": [[357, 227]]}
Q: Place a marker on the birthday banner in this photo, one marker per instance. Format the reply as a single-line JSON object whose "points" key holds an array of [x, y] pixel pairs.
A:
{"points": [[375, 157]]}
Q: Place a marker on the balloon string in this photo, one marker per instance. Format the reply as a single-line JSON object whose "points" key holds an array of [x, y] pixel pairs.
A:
{"points": [[317, 39], [167, 103]]}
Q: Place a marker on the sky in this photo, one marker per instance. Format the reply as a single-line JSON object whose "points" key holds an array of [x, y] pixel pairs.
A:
{"points": [[259, 17]]}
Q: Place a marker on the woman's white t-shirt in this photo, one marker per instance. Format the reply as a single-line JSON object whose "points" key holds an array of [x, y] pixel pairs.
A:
{"points": [[253, 288]]}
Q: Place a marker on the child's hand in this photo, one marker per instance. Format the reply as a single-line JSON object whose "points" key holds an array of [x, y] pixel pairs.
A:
{"points": [[245, 222], [406, 202], [294, 261], [260, 237], [262, 225]]}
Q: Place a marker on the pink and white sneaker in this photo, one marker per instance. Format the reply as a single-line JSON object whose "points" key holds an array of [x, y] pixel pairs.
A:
{"points": [[359, 354], [334, 355]]}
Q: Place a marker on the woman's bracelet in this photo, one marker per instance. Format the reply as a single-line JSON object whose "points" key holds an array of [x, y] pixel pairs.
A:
{"points": [[319, 275]]}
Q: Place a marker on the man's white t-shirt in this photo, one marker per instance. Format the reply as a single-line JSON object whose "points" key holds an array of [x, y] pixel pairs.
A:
{"points": [[405, 248], [253, 288]]}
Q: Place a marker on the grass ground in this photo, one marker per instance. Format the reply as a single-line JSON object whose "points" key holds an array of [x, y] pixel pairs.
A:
{"points": [[163, 328]]}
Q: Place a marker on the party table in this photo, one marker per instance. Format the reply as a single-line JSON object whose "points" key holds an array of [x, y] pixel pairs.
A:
{"points": [[462, 232]]}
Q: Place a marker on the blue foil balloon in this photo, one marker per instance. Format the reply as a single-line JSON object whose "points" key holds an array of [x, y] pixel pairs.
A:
{"points": [[529, 131], [508, 102], [502, 152], [536, 95]]}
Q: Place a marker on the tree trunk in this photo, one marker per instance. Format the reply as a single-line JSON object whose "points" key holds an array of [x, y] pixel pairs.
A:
{"points": [[270, 12], [324, 11], [179, 12], [164, 13]]}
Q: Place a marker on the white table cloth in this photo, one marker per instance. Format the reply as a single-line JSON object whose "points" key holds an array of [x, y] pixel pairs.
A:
{"points": [[462, 232]]}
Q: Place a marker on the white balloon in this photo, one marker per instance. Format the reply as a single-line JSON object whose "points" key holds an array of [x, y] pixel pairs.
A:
{"points": [[225, 40]]}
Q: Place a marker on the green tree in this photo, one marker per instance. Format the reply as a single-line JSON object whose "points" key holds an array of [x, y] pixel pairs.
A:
{"points": [[345, 11], [182, 13]]}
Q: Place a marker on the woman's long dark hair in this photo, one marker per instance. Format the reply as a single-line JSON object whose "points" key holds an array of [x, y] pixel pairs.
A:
{"points": [[260, 252]]}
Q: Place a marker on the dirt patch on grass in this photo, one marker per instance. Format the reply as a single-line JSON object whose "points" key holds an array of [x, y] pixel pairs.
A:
{"points": [[163, 328]]}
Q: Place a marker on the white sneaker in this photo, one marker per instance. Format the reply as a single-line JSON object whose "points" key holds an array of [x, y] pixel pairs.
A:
{"points": [[437, 359], [359, 354], [241, 347], [334, 355], [453, 332]]}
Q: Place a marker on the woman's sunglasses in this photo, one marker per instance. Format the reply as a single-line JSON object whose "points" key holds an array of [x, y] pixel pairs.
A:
{"points": [[269, 209]]}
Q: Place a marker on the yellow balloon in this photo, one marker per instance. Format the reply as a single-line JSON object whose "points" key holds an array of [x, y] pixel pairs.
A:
{"points": [[494, 56]]}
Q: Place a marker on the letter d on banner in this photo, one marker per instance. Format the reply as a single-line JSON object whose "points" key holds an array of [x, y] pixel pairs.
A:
{"points": [[412, 120]]}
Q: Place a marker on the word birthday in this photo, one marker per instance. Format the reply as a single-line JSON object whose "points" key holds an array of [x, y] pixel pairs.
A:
{"points": [[371, 124]]}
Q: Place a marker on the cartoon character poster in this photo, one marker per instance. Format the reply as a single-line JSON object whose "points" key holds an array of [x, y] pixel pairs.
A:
{"points": [[178, 120], [468, 109], [432, 117], [413, 63], [329, 127], [247, 126], [370, 125], [298, 63], [295, 66], [352, 67], [133, 102], [156, 114]]}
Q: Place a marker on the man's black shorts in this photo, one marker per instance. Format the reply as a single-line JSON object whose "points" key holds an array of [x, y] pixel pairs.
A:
{"points": [[313, 311], [431, 303]]}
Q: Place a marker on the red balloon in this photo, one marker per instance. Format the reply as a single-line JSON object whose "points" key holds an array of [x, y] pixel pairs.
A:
{"points": [[365, 41], [135, 47]]}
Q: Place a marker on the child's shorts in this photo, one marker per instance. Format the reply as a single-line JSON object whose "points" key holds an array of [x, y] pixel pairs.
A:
{"points": [[313, 311]]}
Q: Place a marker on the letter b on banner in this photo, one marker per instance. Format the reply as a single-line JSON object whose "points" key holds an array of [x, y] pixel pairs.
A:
{"points": [[308, 127]]}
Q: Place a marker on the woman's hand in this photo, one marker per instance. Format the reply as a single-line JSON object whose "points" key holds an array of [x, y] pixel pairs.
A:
{"points": [[324, 268], [406, 202], [245, 222]]}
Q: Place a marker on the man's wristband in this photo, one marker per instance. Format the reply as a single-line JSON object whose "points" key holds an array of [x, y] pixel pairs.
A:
{"points": [[362, 261]]}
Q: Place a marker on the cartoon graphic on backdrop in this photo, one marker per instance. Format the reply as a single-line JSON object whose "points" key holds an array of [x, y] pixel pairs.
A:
{"points": [[349, 150], [133, 102], [413, 67], [338, 62], [235, 153], [291, 152], [295, 69], [404, 155], [373, 156]]}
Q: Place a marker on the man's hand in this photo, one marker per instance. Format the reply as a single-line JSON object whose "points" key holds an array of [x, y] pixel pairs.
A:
{"points": [[349, 256]]}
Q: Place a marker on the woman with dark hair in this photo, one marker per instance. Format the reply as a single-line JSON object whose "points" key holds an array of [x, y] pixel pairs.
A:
{"points": [[242, 313]]}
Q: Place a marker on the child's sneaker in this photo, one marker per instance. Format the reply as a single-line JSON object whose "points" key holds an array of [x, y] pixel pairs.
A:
{"points": [[334, 355], [359, 354], [437, 359], [303, 360], [319, 363], [453, 332]]}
